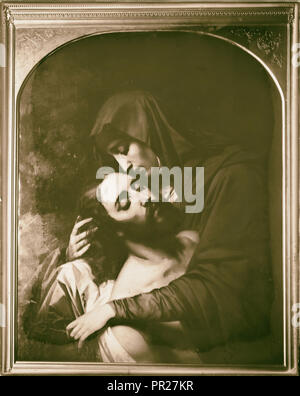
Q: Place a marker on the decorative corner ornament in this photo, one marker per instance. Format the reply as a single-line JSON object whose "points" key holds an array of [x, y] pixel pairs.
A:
{"points": [[267, 42], [291, 16], [8, 17]]}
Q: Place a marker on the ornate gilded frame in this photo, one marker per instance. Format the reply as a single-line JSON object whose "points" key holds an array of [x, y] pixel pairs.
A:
{"points": [[40, 28]]}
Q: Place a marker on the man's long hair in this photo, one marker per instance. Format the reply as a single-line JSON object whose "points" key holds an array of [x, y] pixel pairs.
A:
{"points": [[108, 252]]}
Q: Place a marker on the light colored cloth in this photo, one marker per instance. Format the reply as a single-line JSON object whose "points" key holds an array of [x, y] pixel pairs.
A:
{"points": [[110, 350], [78, 280]]}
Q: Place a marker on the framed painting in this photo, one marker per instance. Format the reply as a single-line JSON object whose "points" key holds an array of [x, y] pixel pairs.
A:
{"points": [[150, 190]]}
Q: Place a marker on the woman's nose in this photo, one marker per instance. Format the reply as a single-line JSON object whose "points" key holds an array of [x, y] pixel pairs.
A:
{"points": [[123, 162]]}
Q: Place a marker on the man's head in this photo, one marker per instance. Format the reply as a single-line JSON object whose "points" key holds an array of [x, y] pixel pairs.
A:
{"points": [[133, 211]]}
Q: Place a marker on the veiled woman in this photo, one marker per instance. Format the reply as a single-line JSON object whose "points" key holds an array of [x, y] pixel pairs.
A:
{"points": [[226, 293]]}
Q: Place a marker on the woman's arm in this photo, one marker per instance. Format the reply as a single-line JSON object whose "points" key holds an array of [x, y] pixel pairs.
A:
{"points": [[224, 285], [225, 290]]}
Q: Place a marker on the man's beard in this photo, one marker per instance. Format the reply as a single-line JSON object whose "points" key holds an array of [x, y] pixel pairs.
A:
{"points": [[162, 220]]}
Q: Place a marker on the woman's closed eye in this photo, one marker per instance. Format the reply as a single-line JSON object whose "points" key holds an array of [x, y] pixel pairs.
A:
{"points": [[119, 148]]}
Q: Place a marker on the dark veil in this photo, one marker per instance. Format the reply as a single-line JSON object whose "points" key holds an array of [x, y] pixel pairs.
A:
{"points": [[138, 114]]}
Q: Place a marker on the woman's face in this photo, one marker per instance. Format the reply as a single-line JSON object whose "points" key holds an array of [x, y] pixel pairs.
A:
{"points": [[132, 153]]}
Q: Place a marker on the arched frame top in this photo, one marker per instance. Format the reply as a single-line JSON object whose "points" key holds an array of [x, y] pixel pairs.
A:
{"points": [[41, 56], [40, 29]]}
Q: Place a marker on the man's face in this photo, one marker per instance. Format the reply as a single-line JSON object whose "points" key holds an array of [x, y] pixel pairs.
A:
{"points": [[133, 209]]}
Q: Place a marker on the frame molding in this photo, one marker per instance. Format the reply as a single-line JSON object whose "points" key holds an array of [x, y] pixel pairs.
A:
{"points": [[17, 12], [96, 18]]}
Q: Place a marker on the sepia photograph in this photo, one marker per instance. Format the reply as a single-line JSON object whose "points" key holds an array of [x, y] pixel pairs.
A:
{"points": [[150, 207]]}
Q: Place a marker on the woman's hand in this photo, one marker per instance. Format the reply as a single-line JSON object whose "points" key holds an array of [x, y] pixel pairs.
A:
{"points": [[79, 242], [90, 322]]}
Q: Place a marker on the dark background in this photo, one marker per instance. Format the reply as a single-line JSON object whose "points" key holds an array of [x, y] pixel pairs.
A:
{"points": [[201, 83]]}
